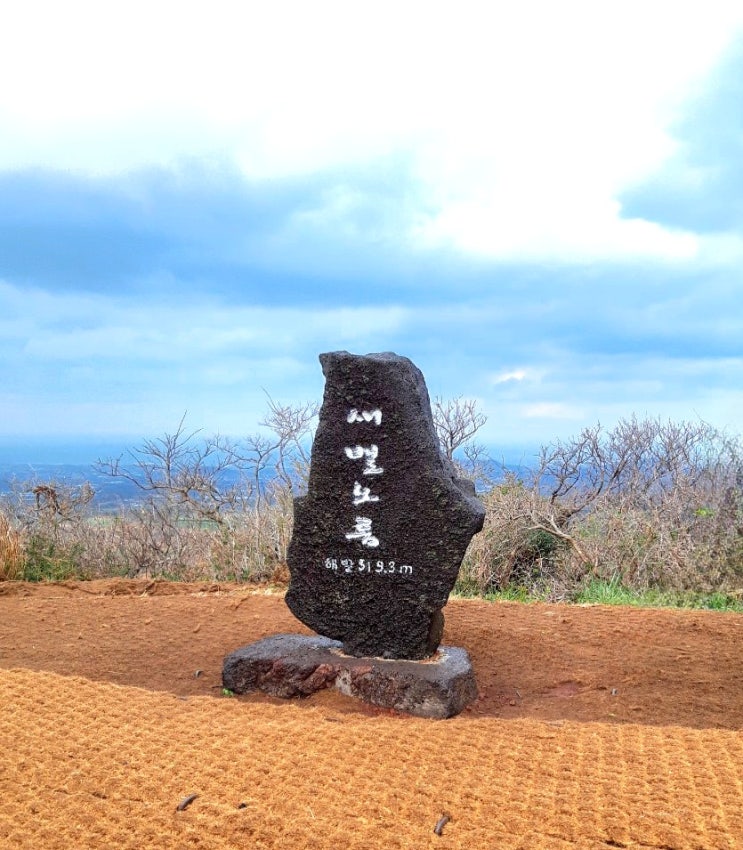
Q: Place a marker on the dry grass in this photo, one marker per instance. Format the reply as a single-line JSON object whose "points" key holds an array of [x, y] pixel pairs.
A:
{"points": [[12, 555]]}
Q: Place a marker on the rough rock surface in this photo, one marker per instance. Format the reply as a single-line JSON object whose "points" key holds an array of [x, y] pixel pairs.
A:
{"points": [[297, 665], [379, 538]]}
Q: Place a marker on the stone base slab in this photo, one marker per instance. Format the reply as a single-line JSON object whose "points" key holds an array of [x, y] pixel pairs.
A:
{"points": [[298, 665]]}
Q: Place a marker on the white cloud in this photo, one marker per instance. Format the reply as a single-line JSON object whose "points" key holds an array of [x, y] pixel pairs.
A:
{"points": [[522, 122], [721, 250], [64, 328], [563, 232], [507, 377], [79, 364]]}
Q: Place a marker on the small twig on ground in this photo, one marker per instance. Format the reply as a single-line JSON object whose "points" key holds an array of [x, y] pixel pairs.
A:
{"points": [[442, 822], [186, 802]]}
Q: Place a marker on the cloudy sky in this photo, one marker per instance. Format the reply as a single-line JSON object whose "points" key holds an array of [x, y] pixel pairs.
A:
{"points": [[539, 203]]}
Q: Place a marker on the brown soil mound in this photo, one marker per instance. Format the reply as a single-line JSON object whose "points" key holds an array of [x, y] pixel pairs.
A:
{"points": [[596, 728]]}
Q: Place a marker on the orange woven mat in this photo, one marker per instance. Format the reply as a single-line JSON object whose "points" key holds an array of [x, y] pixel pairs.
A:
{"points": [[88, 762]]}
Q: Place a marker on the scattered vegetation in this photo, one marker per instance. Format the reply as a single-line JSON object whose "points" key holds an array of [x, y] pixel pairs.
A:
{"points": [[645, 507], [649, 512]]}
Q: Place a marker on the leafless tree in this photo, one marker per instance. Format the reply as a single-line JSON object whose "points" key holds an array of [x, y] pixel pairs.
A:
{"points": [[183, 473], [666, 476], [235, 493], [50, 506], [647, 503], [286, 450], [456, 421]]}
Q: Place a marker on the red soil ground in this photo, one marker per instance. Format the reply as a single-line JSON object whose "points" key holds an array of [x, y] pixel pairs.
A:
{"points": [[596, 727]]}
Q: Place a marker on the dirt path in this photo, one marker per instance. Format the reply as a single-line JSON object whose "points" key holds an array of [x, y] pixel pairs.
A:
{"points": [[596, 727]]}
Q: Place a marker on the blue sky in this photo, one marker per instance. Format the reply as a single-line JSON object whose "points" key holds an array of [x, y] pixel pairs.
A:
{"points": [[542, 207]]}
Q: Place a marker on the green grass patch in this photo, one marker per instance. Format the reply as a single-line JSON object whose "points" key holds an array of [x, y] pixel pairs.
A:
{"points": [[512, 593], [45, 561], [613, 592]]}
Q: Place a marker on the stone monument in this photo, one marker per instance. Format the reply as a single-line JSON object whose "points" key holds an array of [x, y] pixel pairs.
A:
{"points": [[377, 545]]}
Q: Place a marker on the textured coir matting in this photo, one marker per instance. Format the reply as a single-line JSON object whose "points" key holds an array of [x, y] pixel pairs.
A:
{"points": [[596, 728]]}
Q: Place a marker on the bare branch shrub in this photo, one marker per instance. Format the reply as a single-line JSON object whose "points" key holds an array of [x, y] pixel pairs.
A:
{"points": [[209, 508], [510, 551], [456, 422], [650, 503], [185, 475], [290, 425], [213, 507], [48, 517]]}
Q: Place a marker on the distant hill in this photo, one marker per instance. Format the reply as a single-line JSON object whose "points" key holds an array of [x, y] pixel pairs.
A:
{"points": [[72, 464], [110, 493]]}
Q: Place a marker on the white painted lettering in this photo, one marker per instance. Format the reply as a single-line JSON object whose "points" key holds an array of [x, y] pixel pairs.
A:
{"points": [[369, 455], [374, 416], [368, 567], [363, 532], [362, 494]]}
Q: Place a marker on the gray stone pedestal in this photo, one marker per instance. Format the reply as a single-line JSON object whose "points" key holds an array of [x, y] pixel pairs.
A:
{"points": [[297, 665]]}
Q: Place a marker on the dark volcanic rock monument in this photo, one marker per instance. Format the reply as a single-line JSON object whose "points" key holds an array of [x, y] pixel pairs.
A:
{"points": [[378, 541], [380, 536]]}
